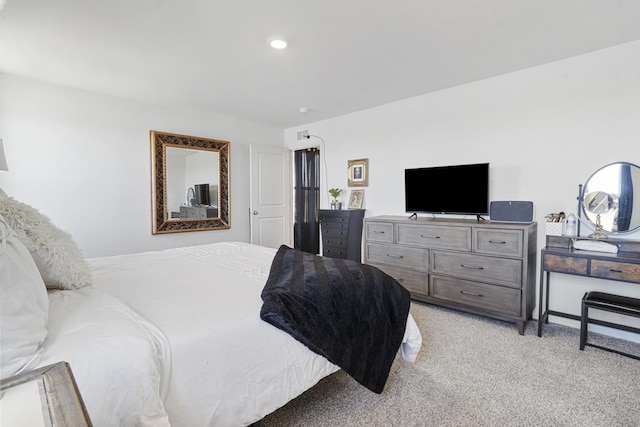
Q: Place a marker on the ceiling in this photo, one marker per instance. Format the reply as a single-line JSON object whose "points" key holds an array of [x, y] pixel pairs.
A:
{"points": [[343, 56]]}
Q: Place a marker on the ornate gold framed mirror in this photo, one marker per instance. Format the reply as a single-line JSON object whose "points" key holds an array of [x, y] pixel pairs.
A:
{"points": [[190, 183]]}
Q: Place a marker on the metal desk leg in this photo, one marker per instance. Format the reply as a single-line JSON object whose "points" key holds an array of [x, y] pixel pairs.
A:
{"points": [[546, 311], [543, 304]]}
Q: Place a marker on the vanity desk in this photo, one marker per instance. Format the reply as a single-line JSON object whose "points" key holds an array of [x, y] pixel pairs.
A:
{"points": [[559, 257]]}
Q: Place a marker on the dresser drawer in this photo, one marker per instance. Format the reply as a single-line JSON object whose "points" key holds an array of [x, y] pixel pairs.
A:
{"points": [[501, 271], [340, 223], [498, 299], [333, 215], [458, 238], [336, 242], [565, 264], [379, 232], [498, 242], [414, 281], [615, 270], [334, 232], [332, 252], [403, 257]]}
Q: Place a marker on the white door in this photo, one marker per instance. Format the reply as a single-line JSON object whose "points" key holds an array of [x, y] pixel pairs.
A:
{"points": [[270, 208]]}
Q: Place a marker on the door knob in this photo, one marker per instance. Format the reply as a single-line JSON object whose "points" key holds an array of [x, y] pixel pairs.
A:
{"points": [[255, 212]]}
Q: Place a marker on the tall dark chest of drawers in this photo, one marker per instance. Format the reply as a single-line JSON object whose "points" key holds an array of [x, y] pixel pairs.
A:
{"points": [[341, 232]]}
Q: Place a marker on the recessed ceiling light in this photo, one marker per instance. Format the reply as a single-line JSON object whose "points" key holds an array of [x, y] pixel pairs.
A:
{"points": [[278, 42]]}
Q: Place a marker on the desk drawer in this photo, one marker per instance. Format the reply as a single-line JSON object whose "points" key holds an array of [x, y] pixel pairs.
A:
{"points": [[486, 297], [457, 238], [413, 258], [565, 264], [502, 271], [614, 270]]}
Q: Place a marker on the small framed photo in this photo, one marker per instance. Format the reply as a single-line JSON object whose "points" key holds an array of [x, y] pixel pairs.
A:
{"points": [[355, 199], [358, 172]]}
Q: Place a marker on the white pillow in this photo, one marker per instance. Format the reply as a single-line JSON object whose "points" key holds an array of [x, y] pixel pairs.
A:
{"points": [[57, 256], [24, 306]]}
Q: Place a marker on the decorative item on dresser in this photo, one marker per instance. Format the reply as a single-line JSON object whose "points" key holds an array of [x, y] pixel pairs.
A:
{"points": [[341, 233], [480, 267], [356, 199]]}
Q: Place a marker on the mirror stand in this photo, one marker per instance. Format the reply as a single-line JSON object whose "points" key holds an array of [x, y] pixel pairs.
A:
{"points": [[599, 231]]}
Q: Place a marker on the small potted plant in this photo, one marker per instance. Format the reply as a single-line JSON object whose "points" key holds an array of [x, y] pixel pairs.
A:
{"points": [[335, 192]]}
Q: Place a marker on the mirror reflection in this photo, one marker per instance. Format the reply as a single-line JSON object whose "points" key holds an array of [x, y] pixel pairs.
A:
{"points": [[611, 198], [192, 183], [190, 190]]}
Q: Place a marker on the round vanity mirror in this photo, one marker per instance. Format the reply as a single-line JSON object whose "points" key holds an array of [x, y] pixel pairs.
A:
{"points": [[610, 199]]}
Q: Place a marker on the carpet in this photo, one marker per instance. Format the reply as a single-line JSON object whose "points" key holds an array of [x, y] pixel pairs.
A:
{"points": [[475, 371]]}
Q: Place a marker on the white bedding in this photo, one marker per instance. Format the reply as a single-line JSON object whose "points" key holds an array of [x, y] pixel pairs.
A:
{"points": [[227, 366], [119, 360]]}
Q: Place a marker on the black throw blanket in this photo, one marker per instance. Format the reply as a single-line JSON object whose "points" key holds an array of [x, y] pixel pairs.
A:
{"points": [[353, 314]]}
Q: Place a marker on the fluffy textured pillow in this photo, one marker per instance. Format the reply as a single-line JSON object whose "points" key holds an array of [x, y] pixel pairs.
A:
{"points": [[24, 306], [57, 256]]}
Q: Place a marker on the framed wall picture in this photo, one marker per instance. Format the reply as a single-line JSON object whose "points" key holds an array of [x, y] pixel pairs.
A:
{"points": [[358, 172], [355, 199]]}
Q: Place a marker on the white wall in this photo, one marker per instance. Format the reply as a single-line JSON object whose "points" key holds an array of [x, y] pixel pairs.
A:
{"points": [[84, 160], [544, 130]]}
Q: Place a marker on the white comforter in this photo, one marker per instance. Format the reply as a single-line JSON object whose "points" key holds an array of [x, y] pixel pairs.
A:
{"points": [[120, 361], [227, 366]]}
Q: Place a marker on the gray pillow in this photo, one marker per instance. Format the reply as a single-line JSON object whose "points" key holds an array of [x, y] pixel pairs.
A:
{"points": [[59, 259]]}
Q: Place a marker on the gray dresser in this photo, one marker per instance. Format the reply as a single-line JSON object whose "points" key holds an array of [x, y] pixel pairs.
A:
{"points": [[485, 267], [341, 232], [198, 212]]}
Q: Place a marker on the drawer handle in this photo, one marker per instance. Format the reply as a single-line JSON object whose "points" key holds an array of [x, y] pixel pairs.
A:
{"points": [[615, 271], [379, 232], [395, 256], [471, 293], [471, 266], [429, 237], [497, 242]]}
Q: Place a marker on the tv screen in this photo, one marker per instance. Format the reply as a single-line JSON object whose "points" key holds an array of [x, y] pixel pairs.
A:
{"points": [[459, 189]]}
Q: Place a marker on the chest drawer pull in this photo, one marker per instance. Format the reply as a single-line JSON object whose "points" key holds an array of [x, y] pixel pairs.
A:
{"points": [[395, 256], [498, 242], [378, 232], [615, 271], [429, 237], [471, 266], [470, 293]]}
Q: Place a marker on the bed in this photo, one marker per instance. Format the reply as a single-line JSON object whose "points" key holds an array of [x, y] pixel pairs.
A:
{"points": [[172, 337]]}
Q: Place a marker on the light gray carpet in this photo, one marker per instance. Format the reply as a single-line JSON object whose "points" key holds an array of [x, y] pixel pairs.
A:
{"points": [[474, 371]]}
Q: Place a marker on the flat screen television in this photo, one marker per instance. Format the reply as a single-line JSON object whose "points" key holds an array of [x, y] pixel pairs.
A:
{"points": [[456, 189]]}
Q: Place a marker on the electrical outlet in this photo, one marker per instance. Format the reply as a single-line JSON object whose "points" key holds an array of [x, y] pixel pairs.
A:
{"points": [[303, 134]]}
